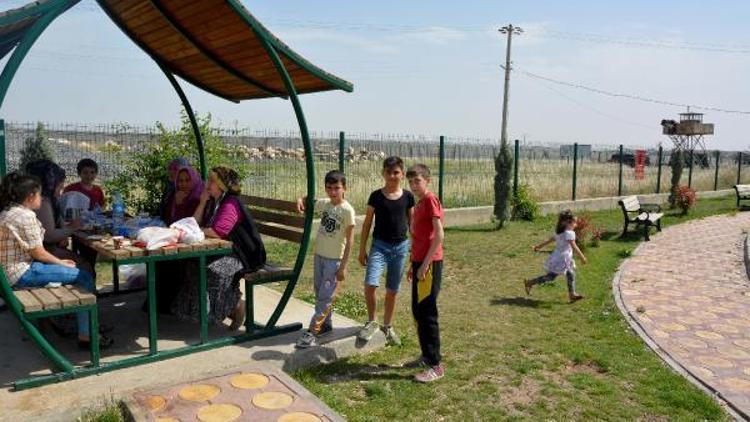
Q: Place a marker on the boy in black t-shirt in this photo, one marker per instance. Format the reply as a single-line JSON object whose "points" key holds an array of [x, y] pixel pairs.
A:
{"points": [[392, 207]]}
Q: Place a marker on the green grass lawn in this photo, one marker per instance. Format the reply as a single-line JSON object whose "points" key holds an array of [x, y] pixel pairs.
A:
{"points": [[509, 356]]}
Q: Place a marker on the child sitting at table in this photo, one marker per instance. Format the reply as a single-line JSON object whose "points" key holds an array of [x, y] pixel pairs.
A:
{"points": [[87, 171]]}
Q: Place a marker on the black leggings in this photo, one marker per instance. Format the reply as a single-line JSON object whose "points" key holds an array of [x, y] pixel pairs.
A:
{"points": [[570, 276], [426, 313]]}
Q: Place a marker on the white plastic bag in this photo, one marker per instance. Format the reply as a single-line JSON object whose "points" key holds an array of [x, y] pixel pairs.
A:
{"points": [[157, 237], [134, 275], [190, 231]]}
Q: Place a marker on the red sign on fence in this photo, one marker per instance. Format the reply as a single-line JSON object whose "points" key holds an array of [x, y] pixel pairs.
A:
{"points": [[640, 164]]}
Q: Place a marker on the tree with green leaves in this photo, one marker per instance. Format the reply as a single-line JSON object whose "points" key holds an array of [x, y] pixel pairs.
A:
{"points": [[144, 174], [36, 147], [503, 174], [676, 163]]}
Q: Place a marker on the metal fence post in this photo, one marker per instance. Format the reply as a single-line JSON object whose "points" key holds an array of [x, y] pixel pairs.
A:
{"points": [[619, 182], [575, 168], [342, 142], [442, 168], [690, 170], [739, 167], [516, 156], [3, 168], [716, 172], [658, 170]]}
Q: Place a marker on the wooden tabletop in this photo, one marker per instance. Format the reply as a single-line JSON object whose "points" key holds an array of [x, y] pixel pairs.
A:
{"points": [[105, 247]]}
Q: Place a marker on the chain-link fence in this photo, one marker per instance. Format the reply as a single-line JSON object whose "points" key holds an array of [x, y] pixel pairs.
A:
{"points": [[276, 167]]}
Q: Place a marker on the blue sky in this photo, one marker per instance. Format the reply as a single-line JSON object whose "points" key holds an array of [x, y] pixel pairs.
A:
{"points": [[431, 68]]}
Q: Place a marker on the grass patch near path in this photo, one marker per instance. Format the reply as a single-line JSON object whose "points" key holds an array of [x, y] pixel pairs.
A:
{"points": [[509, 356]]}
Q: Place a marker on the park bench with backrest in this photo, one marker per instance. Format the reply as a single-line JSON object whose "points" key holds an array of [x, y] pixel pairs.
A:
{"points": [[28, 305], [743, 193], [642, 215]]}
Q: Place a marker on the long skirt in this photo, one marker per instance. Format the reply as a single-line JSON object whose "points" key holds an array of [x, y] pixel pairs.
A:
{"points": [[223, 290]]}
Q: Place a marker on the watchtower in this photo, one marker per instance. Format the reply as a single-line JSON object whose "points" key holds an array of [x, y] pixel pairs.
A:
{"points": [[688, 133]]}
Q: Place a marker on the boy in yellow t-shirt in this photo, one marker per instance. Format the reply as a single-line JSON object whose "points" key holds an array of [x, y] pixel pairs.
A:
{"points": [[333, 246]]}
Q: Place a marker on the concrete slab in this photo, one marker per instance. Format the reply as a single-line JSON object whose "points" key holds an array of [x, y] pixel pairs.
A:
{"points": [[65, 401]]}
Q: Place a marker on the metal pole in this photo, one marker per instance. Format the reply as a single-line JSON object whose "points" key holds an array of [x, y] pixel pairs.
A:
{"points": [[516, 162], [504, 128], [3, 167], [575, 168], [739, 167], [658, 170], [442, 168], [690, 170], [716, 172], [619, 182], [342, 142]]}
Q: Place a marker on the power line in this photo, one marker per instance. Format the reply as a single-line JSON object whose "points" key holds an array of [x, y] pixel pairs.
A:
{"points": [[629, 96]]}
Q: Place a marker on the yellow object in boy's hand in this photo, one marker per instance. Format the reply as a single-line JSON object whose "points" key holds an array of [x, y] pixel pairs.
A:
{"points": [[424, 285]]}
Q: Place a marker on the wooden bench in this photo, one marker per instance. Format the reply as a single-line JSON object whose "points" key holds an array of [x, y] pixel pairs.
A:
{"points": [[280, 220], [28, 305], [743, 193], [646, 215]]}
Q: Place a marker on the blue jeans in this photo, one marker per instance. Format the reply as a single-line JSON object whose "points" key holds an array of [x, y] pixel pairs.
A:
{"points": [[386, 255], [40, 275]]}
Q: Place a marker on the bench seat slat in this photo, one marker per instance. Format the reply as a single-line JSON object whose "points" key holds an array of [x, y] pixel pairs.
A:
{"points": [[277, 204], [268, 270], [65, 296], [28, 301], [86, 298], [48, 300]]}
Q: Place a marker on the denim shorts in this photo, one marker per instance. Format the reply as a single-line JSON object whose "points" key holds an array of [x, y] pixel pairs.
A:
{"points": [[390, 256]]}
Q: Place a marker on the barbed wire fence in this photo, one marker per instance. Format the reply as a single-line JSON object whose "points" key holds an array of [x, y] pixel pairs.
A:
{"points": [[276, 167]]}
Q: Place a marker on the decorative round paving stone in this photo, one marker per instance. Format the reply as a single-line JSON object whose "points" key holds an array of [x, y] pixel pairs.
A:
{"points": [[733, 353], [737, 383], [693, 343], [688, 320], [660, 333], [219, 413], [656, 314], [738, 322], [702, 372], [715, 362], [630, 292], [709, 335], [672, 326], [743, 343], [299, 417], [167, 420], [746, 371], [704, 315], [155, 403], [725, 329], [272, 400], [249, 381], [671, 308], [199, 392]]}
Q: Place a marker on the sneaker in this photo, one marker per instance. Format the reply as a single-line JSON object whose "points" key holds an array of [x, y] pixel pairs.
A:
{"points": [[307, 339], [575, 297], [527, 286], [391, 338], [417, 363], [368, 331], [433, 373]]}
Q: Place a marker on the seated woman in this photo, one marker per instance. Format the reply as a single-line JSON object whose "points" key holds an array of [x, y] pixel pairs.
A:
{"points": [[222, 216], [169, 187], [188, 188], [25, 260], [56, 236]]}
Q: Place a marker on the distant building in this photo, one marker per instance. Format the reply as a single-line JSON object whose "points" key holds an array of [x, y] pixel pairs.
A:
{"points": [[584, 151]]}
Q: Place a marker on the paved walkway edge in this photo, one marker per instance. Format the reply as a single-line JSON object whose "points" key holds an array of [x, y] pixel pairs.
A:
{"points": [[747, 255], [663, 354]]}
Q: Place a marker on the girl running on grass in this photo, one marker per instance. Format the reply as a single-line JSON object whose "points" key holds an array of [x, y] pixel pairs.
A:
{"points": [[561, 260]]}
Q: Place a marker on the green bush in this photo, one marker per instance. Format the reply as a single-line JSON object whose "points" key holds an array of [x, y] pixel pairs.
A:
{"points": [[144, 176], [524, 208], [36, 147]]}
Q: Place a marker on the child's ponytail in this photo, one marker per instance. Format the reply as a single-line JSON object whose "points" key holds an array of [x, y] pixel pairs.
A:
{"points": [[563, 220], [16, 187]]}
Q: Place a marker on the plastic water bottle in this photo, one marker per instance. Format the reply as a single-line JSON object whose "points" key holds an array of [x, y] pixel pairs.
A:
{"points": [[118, 215]]}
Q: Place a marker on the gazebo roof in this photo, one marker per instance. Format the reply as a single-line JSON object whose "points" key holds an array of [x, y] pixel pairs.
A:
{"points": [[216, 45]]}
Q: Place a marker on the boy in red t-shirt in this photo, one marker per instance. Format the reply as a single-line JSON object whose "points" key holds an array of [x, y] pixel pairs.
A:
{"points": [[87, 171], [426, 270]]}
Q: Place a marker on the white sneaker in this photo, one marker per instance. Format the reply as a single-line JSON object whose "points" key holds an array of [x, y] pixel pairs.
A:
{"points": [[368, 331], [391, 338]]}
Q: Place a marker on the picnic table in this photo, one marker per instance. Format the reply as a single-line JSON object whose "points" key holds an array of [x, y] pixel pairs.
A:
{"points": [[129, 254]]}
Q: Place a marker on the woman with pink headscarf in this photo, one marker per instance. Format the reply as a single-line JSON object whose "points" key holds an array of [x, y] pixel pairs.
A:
{"points": [[188, 187]]}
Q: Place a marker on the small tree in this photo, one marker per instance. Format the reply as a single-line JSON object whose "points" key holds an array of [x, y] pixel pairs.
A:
{"points": [[143, 178], [676, 163], [503, 169], [36, 147]]}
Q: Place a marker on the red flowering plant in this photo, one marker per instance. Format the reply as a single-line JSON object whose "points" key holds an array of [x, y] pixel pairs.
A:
{"points": [[684, 198], [583, 230]]}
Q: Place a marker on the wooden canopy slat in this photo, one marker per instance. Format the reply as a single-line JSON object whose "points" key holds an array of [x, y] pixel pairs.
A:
{"points": [[216, 45]]}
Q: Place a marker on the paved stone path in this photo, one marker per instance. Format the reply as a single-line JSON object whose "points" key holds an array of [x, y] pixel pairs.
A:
{"points": [[688, 291]]}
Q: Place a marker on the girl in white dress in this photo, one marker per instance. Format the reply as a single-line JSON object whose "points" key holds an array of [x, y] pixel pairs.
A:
{"points": [[561, 260]]}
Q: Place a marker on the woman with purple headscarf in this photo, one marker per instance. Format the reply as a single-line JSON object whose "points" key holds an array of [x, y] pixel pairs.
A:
{"points": [[169, 187], [188, 187]]}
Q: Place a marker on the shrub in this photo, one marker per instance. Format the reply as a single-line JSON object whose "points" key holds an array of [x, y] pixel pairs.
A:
{"points": [[36, 147], [596, 236], [524, 208], [143, 178], [676, 163], [583, 230], [503, 168], [684, 198]]}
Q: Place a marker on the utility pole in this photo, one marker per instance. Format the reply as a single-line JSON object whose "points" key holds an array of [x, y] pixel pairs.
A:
{"points": [[509, 30]]}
